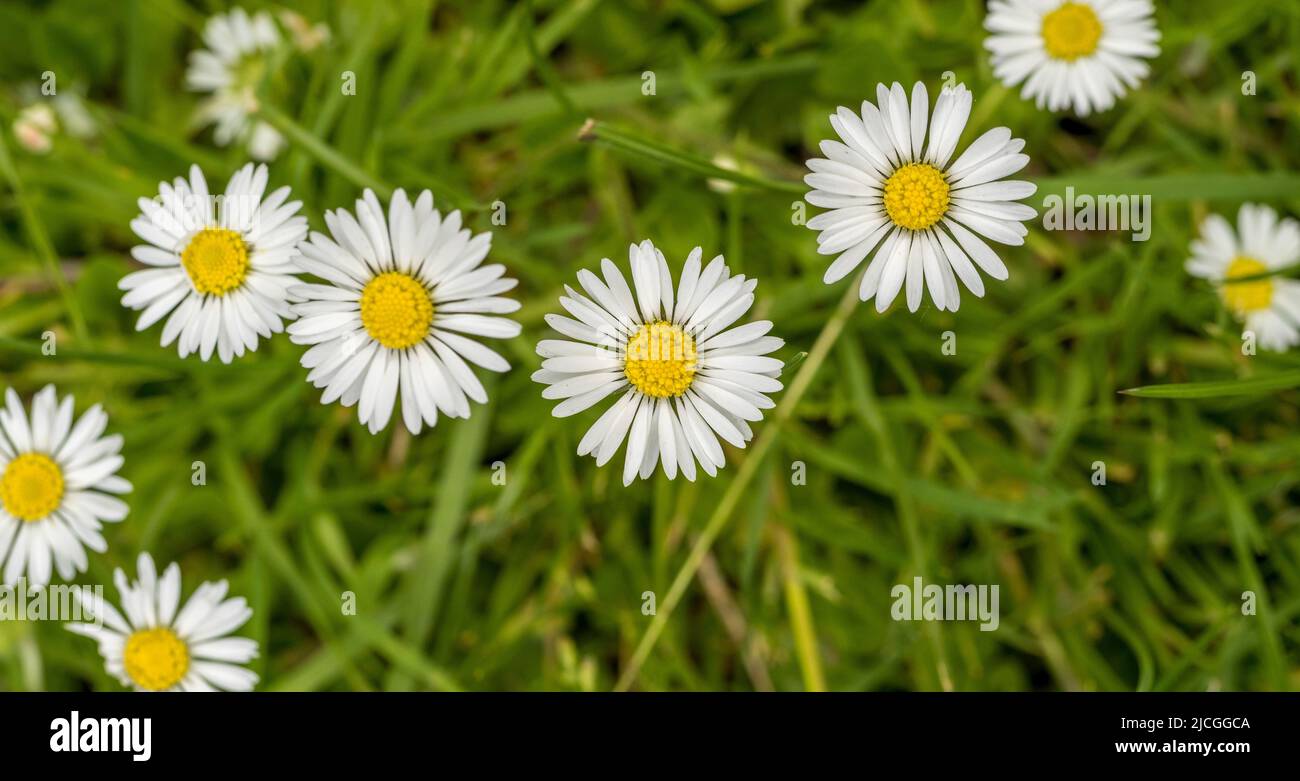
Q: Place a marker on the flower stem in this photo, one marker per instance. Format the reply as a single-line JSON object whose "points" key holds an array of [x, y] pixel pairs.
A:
{"points": [[543, 66], [622, 139], [332, 158], [816, 356], [326, 154]]}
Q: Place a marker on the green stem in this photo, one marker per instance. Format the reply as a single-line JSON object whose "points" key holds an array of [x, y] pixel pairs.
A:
{"points": [[1253, 386], [165, 363], [332, 158], [246, 506], [1175, 188], [622, 139], [1273, 272], [322, 151], [816, 356], [420, 125], [41, 243], [543, 66], [801, 620]]}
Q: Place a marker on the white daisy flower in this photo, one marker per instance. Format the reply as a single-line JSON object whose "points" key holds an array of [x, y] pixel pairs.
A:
{"points": [[155, 647], [221, 265], [1080, 53], [685, 378], [887, 187], [230, 68], [1269, 305], [57, 486], [400, 293]]}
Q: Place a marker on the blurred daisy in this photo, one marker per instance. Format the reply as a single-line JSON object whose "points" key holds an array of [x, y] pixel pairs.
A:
{"points": [[305, 35], [221, 265], [1269, 305], [1080, 53], [231, 68], [35, 127], [890, 190], [57, 486], [400, 293], [154, 647], [685, 378]]}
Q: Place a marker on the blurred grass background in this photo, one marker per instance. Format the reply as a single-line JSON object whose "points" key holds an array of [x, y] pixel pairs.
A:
{"points": [[965, 468]]}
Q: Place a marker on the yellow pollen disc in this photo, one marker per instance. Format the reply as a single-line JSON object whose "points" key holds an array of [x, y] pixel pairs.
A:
{"points": [[216, 260], [156, 659], [1250, 296], [31, 487], [248, 72], [660, 360], [1071, 31], [396, 310], [916, 196]]}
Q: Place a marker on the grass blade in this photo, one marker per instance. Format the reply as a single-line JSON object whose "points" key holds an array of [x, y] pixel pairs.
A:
{"points": [[1255, 386]]}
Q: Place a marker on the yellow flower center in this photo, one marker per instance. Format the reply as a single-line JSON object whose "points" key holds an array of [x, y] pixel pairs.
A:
{"points": [[660, 360], [216, 260], [916, 196], [1071, 31], [1252, 295], [248, 72], [156, 659], [396, 310], [32, 487]]}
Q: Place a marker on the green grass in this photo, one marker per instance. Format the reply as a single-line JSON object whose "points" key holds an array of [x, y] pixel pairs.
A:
{"points": [[973, 467]]}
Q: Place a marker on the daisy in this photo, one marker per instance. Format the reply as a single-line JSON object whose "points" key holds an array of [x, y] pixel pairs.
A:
{"points": [[156, 648], [57, 481], [230, 69], [1080, 53], [1269, 305], [221, 265], [400, 292], [685, 378], [890, 190]]}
